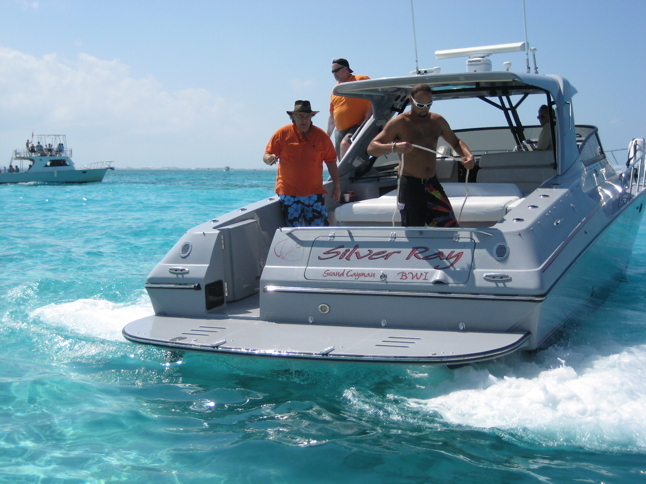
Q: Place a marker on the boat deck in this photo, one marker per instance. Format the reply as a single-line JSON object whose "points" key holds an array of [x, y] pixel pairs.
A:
{"points": [[343, 343]]}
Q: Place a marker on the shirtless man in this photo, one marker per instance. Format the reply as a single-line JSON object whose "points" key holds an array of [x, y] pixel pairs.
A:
{"points": [[421, 198]]}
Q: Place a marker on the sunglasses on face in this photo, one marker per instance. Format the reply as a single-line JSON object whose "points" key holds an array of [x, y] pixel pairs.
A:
{"points": [[334, 71], [421, 105]]}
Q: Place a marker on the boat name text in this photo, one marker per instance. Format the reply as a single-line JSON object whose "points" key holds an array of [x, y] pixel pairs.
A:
{"points": [[341, 252]]}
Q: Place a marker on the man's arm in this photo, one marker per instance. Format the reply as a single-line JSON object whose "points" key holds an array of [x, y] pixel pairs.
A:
{"points": [[368, 114], [269, 159], [333, 170], [330, 125], [457, 144], [387, 141]]}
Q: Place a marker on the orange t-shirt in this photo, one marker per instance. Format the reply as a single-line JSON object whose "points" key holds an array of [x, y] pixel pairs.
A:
{"points": [[348, 111], [300, 169]]}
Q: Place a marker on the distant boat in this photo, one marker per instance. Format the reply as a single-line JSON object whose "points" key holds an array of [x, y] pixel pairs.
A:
{"points": [[48, 160], [226, 168]]}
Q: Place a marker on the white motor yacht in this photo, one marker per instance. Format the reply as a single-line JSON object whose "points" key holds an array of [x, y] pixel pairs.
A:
{"points": [[543, 238], [48, 159]]}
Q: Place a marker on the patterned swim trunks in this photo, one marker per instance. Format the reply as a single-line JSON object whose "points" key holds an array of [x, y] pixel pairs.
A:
{"points": [[307, 211], [424, 202]]}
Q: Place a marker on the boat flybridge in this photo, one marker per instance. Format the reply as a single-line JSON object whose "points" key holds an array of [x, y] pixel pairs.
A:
{"points": [[48, 159], [543, 236]]}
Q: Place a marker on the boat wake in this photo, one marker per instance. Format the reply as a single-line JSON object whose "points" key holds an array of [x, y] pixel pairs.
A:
{"points": [[585, 394], [93, 318], [565, 396]]}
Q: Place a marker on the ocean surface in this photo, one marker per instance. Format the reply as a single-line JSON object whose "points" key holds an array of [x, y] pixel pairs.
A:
{"points": [[80, 404]]}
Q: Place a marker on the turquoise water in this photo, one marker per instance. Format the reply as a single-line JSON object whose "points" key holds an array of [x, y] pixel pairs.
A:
{"points": [[79, 404]]}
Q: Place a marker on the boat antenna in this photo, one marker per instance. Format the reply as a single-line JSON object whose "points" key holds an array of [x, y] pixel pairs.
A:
{"points": [[526, 41], [412, 11]]}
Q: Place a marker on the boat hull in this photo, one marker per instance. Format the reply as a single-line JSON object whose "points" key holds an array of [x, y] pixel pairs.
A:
{"points": [[592, 276], [434, 328], [55, 176]]}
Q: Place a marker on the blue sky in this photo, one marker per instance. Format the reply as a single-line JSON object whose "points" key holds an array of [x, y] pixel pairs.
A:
{"points": [[165, 83]]}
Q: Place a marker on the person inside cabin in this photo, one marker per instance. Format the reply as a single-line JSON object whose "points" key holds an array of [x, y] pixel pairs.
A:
{"points": [[346, 113], [300, 148], [545, 138], [421, 198]]}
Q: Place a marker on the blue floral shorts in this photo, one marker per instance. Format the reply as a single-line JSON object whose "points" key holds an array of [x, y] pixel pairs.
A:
{"points": [[307, 211]]}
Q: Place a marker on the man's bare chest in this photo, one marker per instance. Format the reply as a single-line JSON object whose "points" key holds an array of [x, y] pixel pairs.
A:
{"points": [[427, 130]]}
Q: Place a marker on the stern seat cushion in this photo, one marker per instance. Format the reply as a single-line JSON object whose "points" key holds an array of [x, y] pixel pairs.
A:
{"points": [[487, 202], [527, 170]]}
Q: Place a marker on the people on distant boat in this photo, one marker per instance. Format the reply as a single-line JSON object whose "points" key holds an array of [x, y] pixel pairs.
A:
{"points": [[10, 168], [16, 169], [31, 148], [301, 149], [545, 138], [421, 198], [346, 113], [39, 147], [60, 149]]}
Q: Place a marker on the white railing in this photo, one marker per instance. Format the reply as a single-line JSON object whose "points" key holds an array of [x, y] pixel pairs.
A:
{"points": [[98, 165], [41, 152], [634, 177]]}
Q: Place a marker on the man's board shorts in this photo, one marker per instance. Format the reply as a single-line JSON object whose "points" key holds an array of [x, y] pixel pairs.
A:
{"points": [[422, 201], [307, 211]]}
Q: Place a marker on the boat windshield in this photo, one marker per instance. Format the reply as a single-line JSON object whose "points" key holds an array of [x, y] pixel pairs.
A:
{"points": [[505, 123]]}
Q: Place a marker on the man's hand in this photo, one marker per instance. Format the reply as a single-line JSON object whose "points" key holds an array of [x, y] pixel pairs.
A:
{"points": [[468, 162], [336, 193], [269, 159], [402, 147]]}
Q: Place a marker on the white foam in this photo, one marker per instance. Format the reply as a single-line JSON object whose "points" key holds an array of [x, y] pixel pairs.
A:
{"points": [[94, 317], [592, 401]]}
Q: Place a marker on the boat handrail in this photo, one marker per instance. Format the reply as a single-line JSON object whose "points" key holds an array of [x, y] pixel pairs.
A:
{"points": [[636, 169], [45, 152], [98, 165], [332, 231]]}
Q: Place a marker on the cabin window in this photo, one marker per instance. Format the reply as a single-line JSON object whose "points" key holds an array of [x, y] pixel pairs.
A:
{"points": [[57, 163], [591, 149]]}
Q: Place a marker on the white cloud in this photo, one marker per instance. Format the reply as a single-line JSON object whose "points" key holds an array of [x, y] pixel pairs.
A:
{"points": [[302, 84], [26, 5], [99, 100], [93, 92]]}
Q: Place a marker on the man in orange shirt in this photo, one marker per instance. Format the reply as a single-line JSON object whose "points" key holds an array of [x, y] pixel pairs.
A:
{"points": [[301, 149], [346, 113]]}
